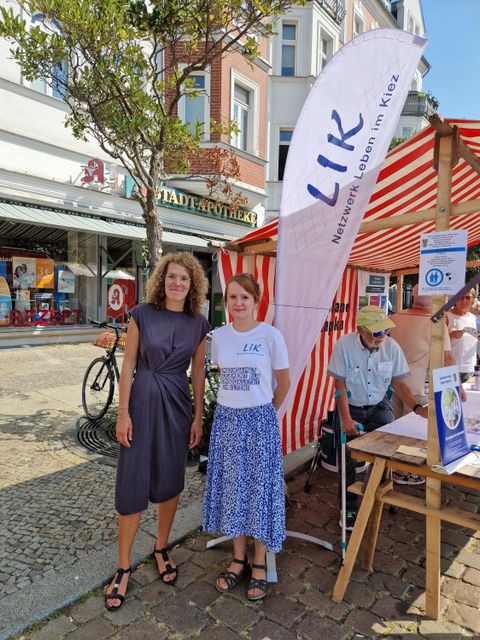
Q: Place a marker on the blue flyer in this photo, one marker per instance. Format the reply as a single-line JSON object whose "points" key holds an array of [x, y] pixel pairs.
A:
{"points": [[448, 408]]}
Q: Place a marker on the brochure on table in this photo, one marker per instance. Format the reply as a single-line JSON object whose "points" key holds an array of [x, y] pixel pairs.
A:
{"points": [[454, 450]]}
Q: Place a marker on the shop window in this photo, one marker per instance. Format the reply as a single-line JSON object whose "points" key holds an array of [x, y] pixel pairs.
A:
{"points": [[285, 138], [407, 132], [289, 49]]}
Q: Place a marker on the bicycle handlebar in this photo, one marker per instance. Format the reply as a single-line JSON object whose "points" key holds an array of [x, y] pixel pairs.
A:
{"points": [[101, 325]]}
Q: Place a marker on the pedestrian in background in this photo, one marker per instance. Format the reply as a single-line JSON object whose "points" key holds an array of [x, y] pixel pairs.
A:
{"points": [[244, 493], [154, 425], [462, 329]]}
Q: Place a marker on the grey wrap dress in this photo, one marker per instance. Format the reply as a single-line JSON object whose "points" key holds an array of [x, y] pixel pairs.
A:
{"points": [[160, 407]]}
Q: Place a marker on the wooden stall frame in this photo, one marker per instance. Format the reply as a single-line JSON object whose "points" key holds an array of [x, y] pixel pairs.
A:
{"points": [[448, 148]]}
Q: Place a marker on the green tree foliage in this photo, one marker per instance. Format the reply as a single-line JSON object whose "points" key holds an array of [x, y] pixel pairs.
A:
{"points": [[123, 65]]}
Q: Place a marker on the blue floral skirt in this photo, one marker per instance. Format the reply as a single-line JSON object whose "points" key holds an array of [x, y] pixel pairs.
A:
{"points": [[244, 489]]}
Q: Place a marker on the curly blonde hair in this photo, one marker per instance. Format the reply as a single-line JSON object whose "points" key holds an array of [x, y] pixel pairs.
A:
{"points": [[198, 282]]}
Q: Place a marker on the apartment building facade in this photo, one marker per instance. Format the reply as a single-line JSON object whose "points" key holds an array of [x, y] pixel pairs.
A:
{"points": [[307, 38], [71, 233]]}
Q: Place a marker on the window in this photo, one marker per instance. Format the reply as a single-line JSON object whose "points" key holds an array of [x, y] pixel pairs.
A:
{"points": [[407, 132], [58, 78], [285, 138], [358, 26], [241, 114], [195, 105], [325, 50], [289, 48]]}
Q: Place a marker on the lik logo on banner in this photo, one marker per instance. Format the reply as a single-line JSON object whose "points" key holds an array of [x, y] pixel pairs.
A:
{"points": [[337, 150]]}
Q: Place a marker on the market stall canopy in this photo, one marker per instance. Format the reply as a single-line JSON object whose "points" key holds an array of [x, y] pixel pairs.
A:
{"points": [[407, 188]]}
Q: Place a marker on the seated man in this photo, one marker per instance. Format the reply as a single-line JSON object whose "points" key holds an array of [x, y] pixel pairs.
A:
{"points": [[364, 365]]}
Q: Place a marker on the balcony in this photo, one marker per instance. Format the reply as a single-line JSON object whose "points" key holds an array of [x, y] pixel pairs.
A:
{"points": [[334, 8], [419, 104]]}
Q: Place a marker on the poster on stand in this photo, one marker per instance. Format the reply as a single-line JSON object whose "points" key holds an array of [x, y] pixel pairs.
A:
{"points": [[443, 257], [66, 281], [45, 273], [373, 289], [454, 450], [24, 272]]}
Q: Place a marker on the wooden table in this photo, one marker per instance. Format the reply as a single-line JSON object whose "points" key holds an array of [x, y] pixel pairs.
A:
{"points": [[380, 449]]}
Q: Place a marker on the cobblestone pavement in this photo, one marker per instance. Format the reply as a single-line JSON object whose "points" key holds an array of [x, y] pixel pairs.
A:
{"points": [[387, 603], [55, 507], [56, 510]]}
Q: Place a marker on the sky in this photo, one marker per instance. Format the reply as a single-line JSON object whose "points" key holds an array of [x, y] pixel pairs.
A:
{"points": [[453, 31]]}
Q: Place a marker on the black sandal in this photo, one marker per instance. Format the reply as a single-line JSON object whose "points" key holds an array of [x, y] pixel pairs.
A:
{"points": [[232, 578], [114, 595], [256, 583], [168, 563]]}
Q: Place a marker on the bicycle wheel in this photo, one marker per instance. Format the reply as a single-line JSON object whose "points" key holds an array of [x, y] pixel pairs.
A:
{"points": [[97, 388]]}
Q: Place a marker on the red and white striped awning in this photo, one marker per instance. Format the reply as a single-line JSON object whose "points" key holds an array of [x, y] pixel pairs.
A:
{"points": [[406, 184]]}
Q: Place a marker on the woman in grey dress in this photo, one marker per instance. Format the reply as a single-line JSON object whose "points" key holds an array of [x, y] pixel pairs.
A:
{"points": [[155, 427]]}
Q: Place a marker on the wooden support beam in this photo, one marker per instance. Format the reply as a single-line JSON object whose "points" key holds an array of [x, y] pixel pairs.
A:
{"points": [[463, 208], [433, 492], [464, 151], [399, 293]]}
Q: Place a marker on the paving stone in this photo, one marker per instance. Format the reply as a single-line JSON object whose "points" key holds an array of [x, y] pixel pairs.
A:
{"points": [[146, 573], [388, 564], [216, 555], [387, 607], [131, 610], [201, 594], [188, 574], [360, 595], [154, 592], [324, 605], [282, 610], [413, 553], [364, 623], [321, 556], [88, 610], [288, 585], [390, 584], [266, 630], [320, 578], [180, 616], [143, 630], [468, 558], [94, 630], [452, 569], [464, 616], [234, 614], [415, 575], [440, 630], [472, 576], [54, 629], [415, 604], [313, 627], [292, 564], [219, 632]]}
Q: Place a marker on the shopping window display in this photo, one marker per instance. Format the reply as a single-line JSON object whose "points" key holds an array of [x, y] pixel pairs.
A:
{"points": [[35, 292]]}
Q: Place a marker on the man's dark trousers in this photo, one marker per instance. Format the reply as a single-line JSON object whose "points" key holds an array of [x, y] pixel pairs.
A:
{"points": [[372, 418]]}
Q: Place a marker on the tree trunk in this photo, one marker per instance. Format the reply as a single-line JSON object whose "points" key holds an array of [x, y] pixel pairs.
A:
{"points": [[154, 237]]}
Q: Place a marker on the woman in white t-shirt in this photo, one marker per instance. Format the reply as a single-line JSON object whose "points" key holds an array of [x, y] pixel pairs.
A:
{"points": [[462, 329], [244, 488]]}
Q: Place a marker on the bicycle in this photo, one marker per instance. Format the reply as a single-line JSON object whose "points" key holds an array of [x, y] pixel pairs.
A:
{"points": [[99, 381]]}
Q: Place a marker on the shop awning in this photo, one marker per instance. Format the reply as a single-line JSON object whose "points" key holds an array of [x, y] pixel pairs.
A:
{"points": [[406, 185], [81, 269], [70, 221]]}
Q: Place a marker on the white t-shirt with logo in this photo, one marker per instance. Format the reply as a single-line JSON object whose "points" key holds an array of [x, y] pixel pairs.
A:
{"points": [[247, 360]]}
